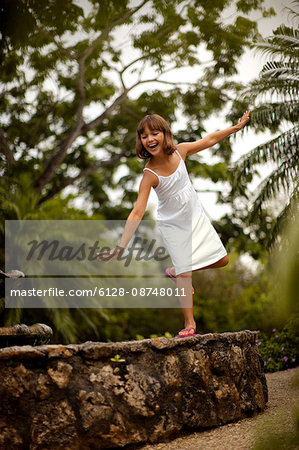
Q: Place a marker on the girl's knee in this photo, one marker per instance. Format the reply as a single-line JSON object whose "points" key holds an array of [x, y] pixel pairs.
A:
{"points": [[225, 260]]}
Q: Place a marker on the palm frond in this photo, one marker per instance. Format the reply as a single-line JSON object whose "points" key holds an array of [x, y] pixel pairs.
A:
{"points": [[269, 113], [284, 30], [276, 150], [284, 88], [275, 95], [283, 178], [281, 69], [292, 13], [289, 212], [64, 324], [274, 50], [285, 41]]}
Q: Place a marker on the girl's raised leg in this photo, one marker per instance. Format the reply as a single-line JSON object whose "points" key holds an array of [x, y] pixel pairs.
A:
{"points": [[221, 263]]}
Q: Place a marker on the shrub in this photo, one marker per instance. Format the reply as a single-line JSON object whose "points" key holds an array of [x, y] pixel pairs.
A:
{"points": [[280, 351]]}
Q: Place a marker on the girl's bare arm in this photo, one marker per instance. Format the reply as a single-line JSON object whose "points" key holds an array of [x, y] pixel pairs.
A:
{"points": [[189, 148], [138, 211], [134, 217]]}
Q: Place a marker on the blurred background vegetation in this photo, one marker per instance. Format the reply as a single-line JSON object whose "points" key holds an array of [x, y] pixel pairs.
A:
{"points": [[77, 76]]}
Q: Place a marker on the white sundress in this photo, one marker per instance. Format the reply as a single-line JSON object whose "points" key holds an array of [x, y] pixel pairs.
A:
{"points": [[189, 236]]}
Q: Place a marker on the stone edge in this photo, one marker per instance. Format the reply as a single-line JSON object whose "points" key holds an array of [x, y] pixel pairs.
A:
{"points": [[95, 350]]}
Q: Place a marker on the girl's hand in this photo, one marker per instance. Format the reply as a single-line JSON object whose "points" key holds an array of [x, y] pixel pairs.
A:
{"points": [[242, 121], [110, 256]]}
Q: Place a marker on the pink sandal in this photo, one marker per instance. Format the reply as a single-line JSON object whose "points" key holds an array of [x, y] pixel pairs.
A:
{"points": [[167, 271], [188, 334]]}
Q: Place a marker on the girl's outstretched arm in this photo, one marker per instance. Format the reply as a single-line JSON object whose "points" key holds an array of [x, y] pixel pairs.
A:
{"points": [[133, 219], [189, 148]]}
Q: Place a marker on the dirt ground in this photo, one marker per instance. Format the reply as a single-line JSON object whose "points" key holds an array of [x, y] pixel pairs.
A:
{"points": [[279, 416]]}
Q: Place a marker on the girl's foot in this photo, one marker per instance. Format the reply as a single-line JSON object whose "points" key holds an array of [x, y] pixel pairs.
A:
{"points": [[170, 273], [185, 332]]}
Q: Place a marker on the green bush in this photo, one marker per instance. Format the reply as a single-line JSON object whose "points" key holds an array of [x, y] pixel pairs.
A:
{"points": [[280, 351]]}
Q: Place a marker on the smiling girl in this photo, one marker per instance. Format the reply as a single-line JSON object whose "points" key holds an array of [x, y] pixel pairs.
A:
{"points": [[188, 234]]}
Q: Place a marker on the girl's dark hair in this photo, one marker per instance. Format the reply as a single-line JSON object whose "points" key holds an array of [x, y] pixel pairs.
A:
{"points": [[153, 122]]}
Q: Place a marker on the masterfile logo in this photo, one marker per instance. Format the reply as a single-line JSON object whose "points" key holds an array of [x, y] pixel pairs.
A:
{"points": [[63, 269], [71, 247], [140, 250]]}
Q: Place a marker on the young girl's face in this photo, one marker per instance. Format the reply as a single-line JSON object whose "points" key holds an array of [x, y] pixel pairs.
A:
{"points": [[152, 140]]}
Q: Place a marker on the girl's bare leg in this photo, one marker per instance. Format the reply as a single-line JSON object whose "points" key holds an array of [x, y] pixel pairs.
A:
{"points": [[184, 284], [221, 263]]}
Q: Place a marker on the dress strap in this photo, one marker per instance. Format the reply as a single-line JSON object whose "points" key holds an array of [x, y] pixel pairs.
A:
{"points": [[178, 154], [151, 171]]}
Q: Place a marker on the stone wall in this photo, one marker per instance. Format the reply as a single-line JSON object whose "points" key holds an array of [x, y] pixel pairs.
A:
{"points": [[76, 397]]}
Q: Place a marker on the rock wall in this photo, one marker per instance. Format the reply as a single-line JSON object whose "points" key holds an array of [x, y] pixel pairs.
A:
{"points": [[85, 397]]}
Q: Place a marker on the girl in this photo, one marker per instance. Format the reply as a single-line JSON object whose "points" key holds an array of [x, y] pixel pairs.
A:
{"points": [[181, 218]]}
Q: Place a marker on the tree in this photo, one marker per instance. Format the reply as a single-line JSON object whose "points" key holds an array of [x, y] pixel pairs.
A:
{"points": [[276, 103], [69, 111], [70, 105]]}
